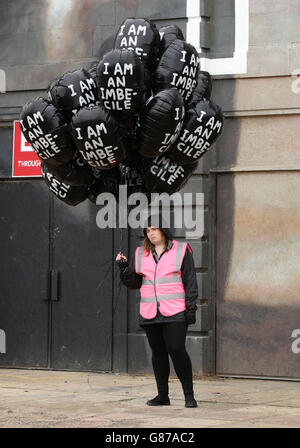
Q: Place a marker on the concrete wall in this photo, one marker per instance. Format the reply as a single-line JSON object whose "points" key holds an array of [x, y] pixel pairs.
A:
{"points": [[257, 176]]}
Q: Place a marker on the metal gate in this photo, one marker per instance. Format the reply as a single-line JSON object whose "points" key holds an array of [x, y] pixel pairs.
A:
{"points": [[24, 242], [55, 281]]}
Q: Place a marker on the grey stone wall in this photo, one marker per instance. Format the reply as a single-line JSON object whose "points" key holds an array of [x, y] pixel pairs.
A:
{"points": [[256, 168]]}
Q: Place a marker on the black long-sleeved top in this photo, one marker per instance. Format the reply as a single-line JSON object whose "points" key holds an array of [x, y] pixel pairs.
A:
{"points": [[132, 280]]}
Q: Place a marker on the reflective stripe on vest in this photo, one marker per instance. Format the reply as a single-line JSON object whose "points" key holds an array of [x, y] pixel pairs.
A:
{"points": [[162, 282]]}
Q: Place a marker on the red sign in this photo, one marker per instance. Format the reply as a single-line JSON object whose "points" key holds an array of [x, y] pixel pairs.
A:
{"points": [[25, 161]]}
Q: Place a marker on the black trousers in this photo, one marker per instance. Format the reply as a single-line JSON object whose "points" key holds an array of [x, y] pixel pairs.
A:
{"points": [[169, 338]]}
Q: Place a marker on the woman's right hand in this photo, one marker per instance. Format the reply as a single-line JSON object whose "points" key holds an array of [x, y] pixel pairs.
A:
{"points": [[120, 256]]}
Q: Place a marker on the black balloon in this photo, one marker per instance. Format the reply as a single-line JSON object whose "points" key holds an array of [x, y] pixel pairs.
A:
{"points": [[130, 168], [178, 67], [121, 81], [163, 174], [76, 173], [140, 117], [130, 177], [93, 72], [203, 124], [99, 137], [105, 181], [160, 122], [203, 88], [71, 195], [167, 35], [142, 36], [46, 130], [72, 91], [130, 174]]}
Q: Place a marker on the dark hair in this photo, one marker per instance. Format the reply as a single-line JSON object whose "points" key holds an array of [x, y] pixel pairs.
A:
{"points": [[148, 246]]}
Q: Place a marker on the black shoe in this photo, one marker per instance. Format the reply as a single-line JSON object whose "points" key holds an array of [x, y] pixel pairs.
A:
{"points": [[159, 401], [190, 402]]}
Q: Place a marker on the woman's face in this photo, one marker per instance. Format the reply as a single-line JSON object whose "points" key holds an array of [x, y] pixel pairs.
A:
{"points": [[155, 235]]}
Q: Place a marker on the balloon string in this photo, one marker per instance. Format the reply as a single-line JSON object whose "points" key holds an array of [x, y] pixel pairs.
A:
{"points": [[116, 297], [121, 241], [105, 275]]}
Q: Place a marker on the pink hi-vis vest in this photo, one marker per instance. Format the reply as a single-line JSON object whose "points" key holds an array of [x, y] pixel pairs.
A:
{"points": [[162, 283]]}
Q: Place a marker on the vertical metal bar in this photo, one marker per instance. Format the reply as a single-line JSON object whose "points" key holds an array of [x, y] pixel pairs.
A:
{"points": [[54, 286], [212, 269], [45, 285], [51, 227]]}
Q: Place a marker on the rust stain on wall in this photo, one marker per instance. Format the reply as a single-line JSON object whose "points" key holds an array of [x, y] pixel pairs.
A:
{"points": [[69, 27]]}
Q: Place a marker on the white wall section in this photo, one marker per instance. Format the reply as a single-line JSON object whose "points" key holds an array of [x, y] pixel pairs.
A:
{"points": [[222, 66]]}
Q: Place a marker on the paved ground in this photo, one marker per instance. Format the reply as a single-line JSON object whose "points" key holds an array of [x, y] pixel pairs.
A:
{"points": [[36, 398]]}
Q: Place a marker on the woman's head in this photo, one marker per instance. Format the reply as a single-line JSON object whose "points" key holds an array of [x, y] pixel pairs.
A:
{"points": [[154, 236], [156, 232]]}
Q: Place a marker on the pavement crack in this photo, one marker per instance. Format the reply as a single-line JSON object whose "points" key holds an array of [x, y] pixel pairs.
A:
{"points": [[119, 401]]}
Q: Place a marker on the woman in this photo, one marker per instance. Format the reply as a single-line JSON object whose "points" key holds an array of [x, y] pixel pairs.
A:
{"points": [[165, 273]]}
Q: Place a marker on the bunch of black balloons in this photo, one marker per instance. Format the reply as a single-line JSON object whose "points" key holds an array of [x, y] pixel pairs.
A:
{"points": [[142, 117]]}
